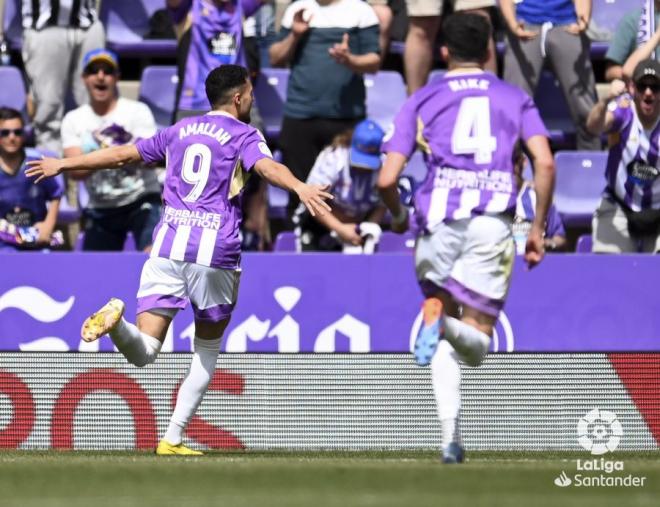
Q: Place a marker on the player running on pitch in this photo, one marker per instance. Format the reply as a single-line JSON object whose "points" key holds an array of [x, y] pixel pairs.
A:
{"points": [[467, 125], [196, 248]]}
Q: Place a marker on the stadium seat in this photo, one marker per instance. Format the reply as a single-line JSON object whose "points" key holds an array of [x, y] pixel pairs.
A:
{"points": [[392, 242], [584, 244], [285, 242], [158, 91], [12, 24], [386, 92], [270, 95], [553, 108], [579, 185], [13, 88], [278, 200], [605, 16], [126, 23], [416, 168]]}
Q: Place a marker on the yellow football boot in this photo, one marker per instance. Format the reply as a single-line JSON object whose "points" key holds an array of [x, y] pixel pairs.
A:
{"points": [[101, 322], [166, 449]]}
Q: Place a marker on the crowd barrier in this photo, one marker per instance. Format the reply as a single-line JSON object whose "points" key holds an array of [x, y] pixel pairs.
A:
{"points": [[317, 357]]}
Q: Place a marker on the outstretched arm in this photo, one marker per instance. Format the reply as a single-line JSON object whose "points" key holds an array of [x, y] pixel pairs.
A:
{"points": [[641, 53], [312, 196], [108, 158]]}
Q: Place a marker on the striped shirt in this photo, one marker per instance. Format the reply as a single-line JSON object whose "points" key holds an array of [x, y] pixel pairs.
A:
{"points": [[208, 159], [467, 126], [633, 166], [39, 14]]}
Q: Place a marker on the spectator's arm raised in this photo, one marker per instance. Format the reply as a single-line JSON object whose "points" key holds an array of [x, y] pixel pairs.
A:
{"points": [[600, 119], [360, 64]]}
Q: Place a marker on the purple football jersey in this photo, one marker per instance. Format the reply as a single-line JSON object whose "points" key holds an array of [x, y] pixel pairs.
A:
{"points": [[633, 162], [216, 38], [467, 126], [208, 159]]}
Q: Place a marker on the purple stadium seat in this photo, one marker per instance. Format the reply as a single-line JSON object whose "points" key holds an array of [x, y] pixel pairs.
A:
{"points": [[158, 91], [605, 16], [386, 93], [12, 24], [126, 23], [553, 108], [278, 200], [579, 185], [416, 168], [13, 88], [392, 242], [270, 95], [584, 244], [285, 242]]}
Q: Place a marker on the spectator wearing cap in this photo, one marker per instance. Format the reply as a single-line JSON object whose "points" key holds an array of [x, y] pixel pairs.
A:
{"points": [[628, 217], [119, 200], [349, 166], [22, 203], [56, 34]]}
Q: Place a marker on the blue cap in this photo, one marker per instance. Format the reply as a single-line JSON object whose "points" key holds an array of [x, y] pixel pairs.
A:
{"points": [[101, 55], [365, 145]]}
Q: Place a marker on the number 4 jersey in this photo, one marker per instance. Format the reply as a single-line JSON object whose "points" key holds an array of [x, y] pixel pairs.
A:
{"points": [[467, 126], [208, 159]]}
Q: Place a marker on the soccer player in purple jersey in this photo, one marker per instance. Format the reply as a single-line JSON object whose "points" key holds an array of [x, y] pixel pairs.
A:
{"points": [[467, 125], [196, 250]]}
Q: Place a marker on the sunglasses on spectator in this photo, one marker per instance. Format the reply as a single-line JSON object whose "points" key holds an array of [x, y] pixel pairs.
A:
{"points": [[8, 132], [95, 69], [654, 87]]}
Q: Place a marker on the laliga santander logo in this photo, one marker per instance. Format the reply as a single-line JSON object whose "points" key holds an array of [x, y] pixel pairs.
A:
{"points": [[502, 341], [599, 431]]}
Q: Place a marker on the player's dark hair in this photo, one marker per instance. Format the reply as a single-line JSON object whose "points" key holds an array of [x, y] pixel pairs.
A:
{"points": [[222, 82], [466, 36], [7, 113]]}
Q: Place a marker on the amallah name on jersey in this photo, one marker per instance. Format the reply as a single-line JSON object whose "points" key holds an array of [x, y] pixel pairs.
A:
{"points": [[491, 180], [203, 219], [456, 85], [205, 129]]}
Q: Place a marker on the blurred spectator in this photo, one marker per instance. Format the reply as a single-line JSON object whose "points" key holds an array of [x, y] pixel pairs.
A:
{"points": [[555, 234], [119, 200], [349, 166], [211, 34], [385, 16], [56, 34], [628, 217], [648, 37], [630, 32], [23, 205], [423, 25], [330, 44], [540, 29]]}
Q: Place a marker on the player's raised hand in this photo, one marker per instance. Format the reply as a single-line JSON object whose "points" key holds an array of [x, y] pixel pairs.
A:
{"points": [[300, 25], [44, 168], [314, 197], [534, 249], [341, 52]]}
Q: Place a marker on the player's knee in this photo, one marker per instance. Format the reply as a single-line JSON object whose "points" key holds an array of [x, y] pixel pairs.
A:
{"points": [[144, 360]]}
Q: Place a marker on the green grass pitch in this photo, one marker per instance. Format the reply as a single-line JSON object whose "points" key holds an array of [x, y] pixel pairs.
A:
{"points": [[312, 479]]}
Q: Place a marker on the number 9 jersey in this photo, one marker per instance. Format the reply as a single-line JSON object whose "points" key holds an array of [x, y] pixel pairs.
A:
{"points": [[208, 161], [467, 126]]}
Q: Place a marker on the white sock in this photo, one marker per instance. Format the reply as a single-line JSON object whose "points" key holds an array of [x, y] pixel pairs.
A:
{"points": [[138, 348], [446, 375], [193, 387], [470, 343]]}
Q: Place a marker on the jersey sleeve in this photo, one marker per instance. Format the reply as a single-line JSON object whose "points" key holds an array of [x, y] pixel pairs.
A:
{"points": [[403, 132], [253, 149], [154, 148], [621, 112], [531, 124]]}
